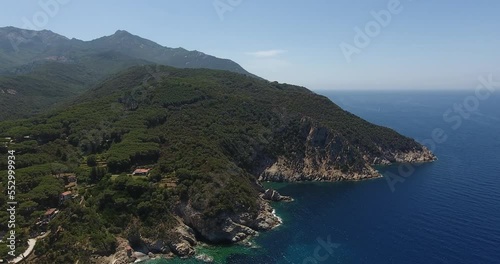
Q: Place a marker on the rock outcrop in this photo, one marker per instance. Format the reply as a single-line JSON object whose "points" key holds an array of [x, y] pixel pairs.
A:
{"points": [[318, 154], [179, 241], [182, 248], [412, 156], [204, 258], [230, 228], [123, 254], [275, 196]]}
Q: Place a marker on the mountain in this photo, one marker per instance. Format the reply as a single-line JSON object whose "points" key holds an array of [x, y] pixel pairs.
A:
{"points": [[27, 57], [137, 47], [20, 46], [209, 137], [39, 85]]}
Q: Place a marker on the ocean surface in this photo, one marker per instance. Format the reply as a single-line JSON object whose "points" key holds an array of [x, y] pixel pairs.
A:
{"points": [[447, 211]]}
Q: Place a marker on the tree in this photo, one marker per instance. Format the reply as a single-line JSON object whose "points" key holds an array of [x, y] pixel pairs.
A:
{"points": [[91, 161], [96, 174]]}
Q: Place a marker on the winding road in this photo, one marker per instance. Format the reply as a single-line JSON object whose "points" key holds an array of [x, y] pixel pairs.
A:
{"points": [[31, 246]]}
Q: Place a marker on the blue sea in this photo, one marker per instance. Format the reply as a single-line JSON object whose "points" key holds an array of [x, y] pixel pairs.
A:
{"points": [[447, 211]]}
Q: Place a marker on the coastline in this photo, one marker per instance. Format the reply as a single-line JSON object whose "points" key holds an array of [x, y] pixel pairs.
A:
{"points": [[280, 220], [272, 200], [220, 253]]}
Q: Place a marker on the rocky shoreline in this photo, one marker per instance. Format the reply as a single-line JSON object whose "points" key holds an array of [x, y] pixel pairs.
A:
{"points": [[235, 228], [318, 153], [324, 169], [323, 158], [242, 227]]}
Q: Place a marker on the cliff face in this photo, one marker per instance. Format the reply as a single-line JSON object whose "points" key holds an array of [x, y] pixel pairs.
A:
{"points": [[230, 227], [412, 156], [303, 152], [319, 154]]}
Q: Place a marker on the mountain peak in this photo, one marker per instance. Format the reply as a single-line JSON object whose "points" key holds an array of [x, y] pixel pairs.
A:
{"points": [[122, 32], [127, 36]]}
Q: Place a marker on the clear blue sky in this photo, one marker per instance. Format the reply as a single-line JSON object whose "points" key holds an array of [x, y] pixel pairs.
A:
{"points": [[443, 44]]}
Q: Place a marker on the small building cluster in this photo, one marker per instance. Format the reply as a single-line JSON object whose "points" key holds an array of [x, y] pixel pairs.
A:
{"points": [[47, 217], [67, 195]]}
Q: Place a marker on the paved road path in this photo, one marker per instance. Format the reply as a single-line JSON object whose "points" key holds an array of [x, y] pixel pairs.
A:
{"points": [[31, 246], [27, 252]]}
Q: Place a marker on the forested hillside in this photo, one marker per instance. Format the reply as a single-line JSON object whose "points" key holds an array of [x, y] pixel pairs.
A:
{"points": [[207, 136], [39, 69]]}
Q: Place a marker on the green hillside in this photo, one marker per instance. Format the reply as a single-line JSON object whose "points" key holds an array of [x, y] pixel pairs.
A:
{"points": [[34, 88], [40, 68], [206, 135]]}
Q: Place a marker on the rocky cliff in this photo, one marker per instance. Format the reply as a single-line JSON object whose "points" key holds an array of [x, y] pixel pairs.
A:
{"points": [[230, 228], [319, 154], [181, 240]]}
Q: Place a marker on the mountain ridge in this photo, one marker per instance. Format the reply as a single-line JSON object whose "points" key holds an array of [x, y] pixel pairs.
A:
{"points": [[28, 55], [16, 38]]}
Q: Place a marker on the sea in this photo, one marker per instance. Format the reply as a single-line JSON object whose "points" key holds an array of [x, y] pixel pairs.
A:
{"points": [[447, 211]]}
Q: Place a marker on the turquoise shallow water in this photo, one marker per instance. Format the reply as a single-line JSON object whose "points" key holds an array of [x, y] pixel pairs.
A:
{"points": [[444, 212]]}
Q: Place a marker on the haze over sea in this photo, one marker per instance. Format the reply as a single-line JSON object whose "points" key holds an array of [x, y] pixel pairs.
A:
{"points": [[444, 212]]}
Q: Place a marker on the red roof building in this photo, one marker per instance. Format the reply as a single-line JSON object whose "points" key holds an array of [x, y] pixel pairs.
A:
{"points": [[141, 172], [50, 211], [65, 196]]}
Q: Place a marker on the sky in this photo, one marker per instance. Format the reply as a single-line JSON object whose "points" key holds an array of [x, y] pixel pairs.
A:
{"points": [[321, 44]]}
